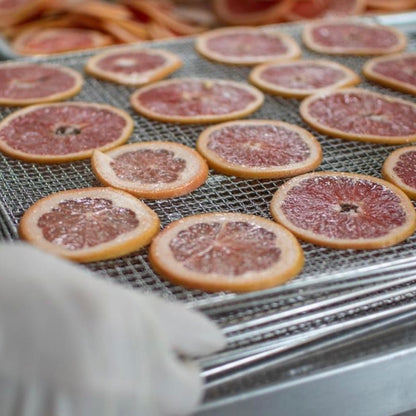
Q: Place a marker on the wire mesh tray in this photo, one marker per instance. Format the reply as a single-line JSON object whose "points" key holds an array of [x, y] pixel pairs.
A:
{"points": [[23, 183]]}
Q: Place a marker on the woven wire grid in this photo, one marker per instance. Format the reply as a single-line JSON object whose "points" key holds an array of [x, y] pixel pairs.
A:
{"points": [[21, 184]]}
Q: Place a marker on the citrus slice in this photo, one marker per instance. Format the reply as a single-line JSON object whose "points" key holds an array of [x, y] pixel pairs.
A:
{"points": [[63, 132], [16, 11], [25, 83], [226, 251], [345, 37], [152, 170], [89, 224], [58, 40], [299, 79], [391, 6], [400, 169], [395, 71], [251, 12], [259, 149], [318, 9], [193, 100], [344, 210], [358, 114], [246, 45], [133, 66]]}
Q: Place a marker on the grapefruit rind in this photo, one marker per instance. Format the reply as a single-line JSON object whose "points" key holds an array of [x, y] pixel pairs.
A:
{"points": [[289, 265], [19, 43], [394, 237], [331, 131], [395, 84], [356, 7], [199, 119], [69, 157], [350, 78], [60, 96], [171, 64], [342, 49], [293, 49], [225, 167], [123, 244], [195, 174], [391, 176], [254, 18]]}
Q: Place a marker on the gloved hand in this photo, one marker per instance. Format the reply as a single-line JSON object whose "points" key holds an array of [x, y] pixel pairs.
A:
{"points": [[72, 344]]}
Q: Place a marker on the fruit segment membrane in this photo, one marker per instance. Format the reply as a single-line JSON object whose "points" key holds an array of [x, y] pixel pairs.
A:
{"points": [[350, 36], [258, 145], [193, 98], [302, 76], [230, 249], [86, 222], [364, 114], [247, 44], [343, 207], [405, 168], [60, 130], [33, 81]]}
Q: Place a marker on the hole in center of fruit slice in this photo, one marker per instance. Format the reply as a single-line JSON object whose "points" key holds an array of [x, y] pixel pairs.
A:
{"points": [[349, 208], [67, 130]]}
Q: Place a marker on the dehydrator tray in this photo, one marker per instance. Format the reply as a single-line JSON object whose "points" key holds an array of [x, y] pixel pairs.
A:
{"points": [[337, 291]]}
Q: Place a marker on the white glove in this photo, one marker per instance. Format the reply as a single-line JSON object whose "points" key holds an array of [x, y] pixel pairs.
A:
{"points": [[72, 344]]}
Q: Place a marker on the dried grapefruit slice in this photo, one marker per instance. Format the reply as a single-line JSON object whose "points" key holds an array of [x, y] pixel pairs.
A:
{"points": [[345, 37], [251, 12], [259, 149], [63, 132], [194, 100], [400, 169], [226, 251], [318, 9], [152, 170], [344, 210], [395, 71], [25, 83], [391, 6], [299, 79], [89, 224], [246, 45], [133, 66], [58, 40], [16, 11], [359, 114]]}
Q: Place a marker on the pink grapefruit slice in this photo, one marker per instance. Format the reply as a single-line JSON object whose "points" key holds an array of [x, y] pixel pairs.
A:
{"points": [[343, 37], [25, 83], [319, 9], [400, 169], [251, 12], [153, 170], [301, 78], [246, 45], [359, 114], [259, 149], [63, 132], [13, 12], [391, 6], [133, 66], [90, 224], [226, 251], [344, 210], [396, 71], [58, 40], [195, 100]]}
